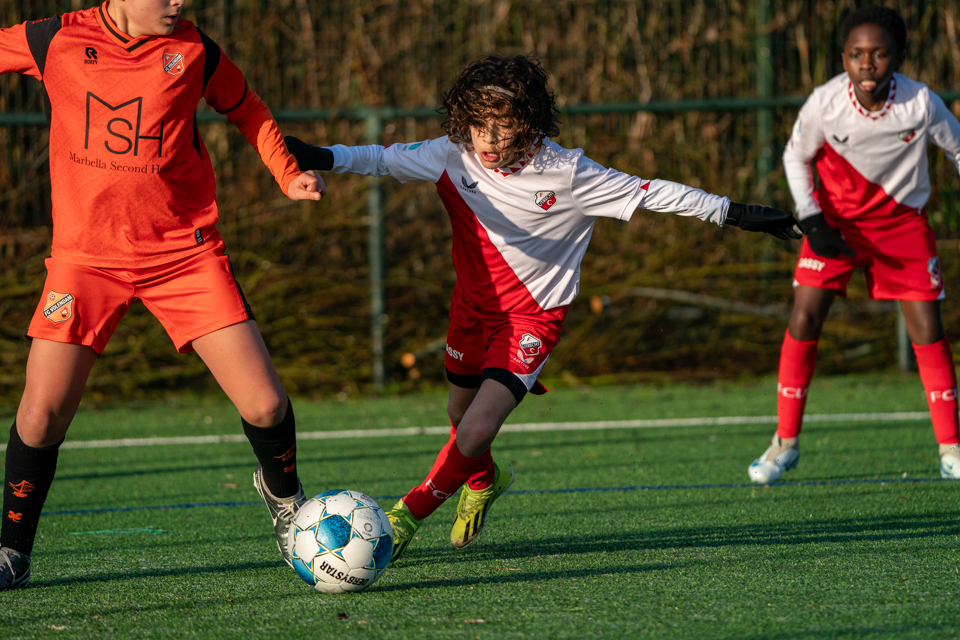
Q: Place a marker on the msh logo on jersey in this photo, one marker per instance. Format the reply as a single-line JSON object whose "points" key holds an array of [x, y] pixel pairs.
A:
{"points": [[842, 140], [91, 54], [468, 186], [173, 63], [907, 136], [545, 199], [118, 127]]}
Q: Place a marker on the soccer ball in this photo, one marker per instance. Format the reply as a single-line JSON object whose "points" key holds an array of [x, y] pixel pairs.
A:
{"points": [[340, 541]]}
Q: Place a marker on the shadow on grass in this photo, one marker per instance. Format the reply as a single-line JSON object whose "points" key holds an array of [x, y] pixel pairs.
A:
{"points": [[158, 572], [833, 531], [532, 577]]}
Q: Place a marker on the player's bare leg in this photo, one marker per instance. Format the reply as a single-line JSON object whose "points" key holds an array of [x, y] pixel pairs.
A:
{"points": [[56, 376], [939, 376], [798, 356], [238, 359], [459, 401]]}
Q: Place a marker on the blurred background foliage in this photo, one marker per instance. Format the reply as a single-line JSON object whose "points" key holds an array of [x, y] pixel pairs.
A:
{"points": [[304, 267]]}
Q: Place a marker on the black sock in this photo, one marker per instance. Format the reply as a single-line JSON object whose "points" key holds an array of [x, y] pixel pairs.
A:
{"points": [[29, 474], [276, 449]]}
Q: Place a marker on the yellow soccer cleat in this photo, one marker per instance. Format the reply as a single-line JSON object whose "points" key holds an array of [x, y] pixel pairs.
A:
{"points": [[405, 527], [475, 505]]}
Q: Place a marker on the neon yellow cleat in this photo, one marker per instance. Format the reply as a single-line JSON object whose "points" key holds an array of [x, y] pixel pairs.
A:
{"points": [[405, 527], [475, 505]]}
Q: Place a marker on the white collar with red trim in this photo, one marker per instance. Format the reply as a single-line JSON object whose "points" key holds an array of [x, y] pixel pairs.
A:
{"points": [[875, 115]]}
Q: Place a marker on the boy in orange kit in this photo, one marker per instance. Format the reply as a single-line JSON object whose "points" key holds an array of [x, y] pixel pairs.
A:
{"points": [[134, 217]]}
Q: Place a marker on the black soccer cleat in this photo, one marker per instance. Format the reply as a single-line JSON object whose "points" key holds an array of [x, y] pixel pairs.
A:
{"points": [[14, 569]]}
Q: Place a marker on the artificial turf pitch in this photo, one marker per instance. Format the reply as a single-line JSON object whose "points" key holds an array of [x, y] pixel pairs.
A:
{"points": [[817, 557]]}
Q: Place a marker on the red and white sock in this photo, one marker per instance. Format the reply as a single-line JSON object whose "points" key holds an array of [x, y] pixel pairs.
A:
{"points": [[797, 360], [939, 377], [450, 471]]}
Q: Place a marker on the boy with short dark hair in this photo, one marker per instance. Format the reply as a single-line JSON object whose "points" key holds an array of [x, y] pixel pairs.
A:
{"points": [[134, 217], [522, 210], [867, 131]]}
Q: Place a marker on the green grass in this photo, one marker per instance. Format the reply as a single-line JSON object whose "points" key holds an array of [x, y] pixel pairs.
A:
{"points": [[858, 560]]}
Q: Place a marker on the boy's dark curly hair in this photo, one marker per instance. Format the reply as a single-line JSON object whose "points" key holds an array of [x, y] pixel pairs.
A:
{"points": [[887, 19], [472, 102]]}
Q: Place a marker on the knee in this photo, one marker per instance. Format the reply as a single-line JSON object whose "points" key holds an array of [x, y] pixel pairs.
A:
{"points": [[475, 437], [805, 325], [265, 411], [39, 426], [455, 414]]}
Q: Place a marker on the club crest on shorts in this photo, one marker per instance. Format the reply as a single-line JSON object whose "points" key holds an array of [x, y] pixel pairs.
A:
{"points": [[173, 63], [58, 307], [530, 344], [936, 274], [545, 199]]}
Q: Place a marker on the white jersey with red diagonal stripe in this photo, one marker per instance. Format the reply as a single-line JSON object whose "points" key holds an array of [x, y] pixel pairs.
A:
{"points": [[872, 164], [519, 233]]}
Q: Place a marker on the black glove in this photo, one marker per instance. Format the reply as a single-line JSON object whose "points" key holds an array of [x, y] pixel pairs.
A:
{"points": [[308, 156], [825, 241], [752, 217]]}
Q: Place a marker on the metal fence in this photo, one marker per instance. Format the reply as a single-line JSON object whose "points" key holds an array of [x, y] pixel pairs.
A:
{"points": [[744, 66]]}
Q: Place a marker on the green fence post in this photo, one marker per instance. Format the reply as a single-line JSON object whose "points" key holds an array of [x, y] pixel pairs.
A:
{"points": [[764, 92], [378, 317]]}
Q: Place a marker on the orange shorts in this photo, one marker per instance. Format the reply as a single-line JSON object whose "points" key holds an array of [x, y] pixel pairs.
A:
{"points": [[190, 297]]}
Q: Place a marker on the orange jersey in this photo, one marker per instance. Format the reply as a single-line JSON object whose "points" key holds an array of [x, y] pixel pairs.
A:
{"points": [[131, 181]]}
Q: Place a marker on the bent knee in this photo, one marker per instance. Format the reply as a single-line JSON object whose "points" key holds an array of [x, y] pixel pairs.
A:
{"points": [[264, 412], [455, 414]]}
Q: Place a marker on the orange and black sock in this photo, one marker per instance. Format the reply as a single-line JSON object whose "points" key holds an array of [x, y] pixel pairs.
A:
{"points": [[276, 449], [27, 479]]}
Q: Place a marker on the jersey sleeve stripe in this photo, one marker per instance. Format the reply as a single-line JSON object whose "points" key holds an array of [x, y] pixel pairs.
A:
{"points": [[39, 35], [211, 58], [240, 102]]}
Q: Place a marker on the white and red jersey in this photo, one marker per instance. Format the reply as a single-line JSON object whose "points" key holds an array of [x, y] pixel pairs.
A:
{"points": [[872, 164], [519, 233]]}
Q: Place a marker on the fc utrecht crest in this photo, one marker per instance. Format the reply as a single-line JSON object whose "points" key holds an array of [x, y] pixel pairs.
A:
{"points": [[545, 199], [58, 307], [173, 63], [530, 344]]}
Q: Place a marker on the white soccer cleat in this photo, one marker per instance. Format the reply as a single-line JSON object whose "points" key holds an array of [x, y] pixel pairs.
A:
{"points": [[782, 455], [950, 461]]}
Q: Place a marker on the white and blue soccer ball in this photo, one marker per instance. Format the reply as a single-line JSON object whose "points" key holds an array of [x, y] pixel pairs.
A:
{"points": [[340, 541]]}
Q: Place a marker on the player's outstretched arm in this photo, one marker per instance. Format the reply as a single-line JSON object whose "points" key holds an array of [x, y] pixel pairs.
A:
{"points": [[424, 161], [751, 217]]}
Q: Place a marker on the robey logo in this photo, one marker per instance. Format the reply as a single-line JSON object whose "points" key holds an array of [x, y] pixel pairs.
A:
{"points": [[118, 127]]}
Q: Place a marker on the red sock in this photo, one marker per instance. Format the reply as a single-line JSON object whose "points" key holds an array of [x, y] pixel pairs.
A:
{"points": [[448, 474], [481, 479], [797, 360], [939, 378]]}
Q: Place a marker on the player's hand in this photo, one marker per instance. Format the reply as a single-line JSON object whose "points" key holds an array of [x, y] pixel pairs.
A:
{"points": [[308, 156], [825, 241], [306, 186], [751, 217]]}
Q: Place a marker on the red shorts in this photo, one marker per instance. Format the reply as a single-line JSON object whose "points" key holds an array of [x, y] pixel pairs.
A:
{"points": [[899, 259], [517, 343], [190, 297]]}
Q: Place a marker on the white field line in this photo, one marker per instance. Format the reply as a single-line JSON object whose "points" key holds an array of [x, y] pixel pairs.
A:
{"points": [[509, 428]]}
